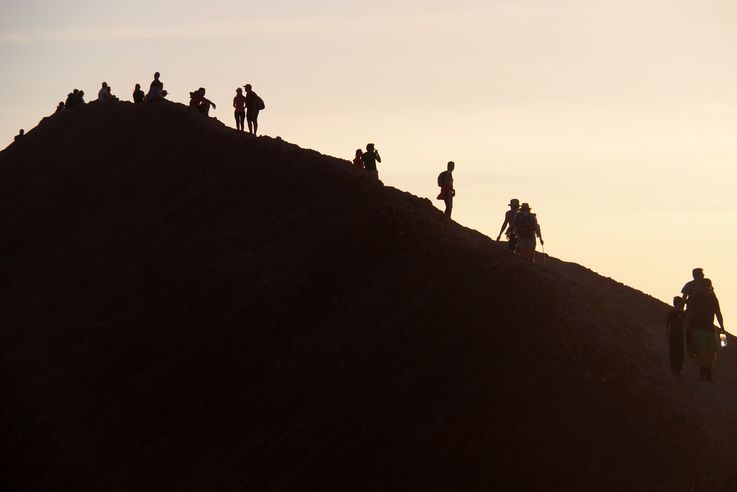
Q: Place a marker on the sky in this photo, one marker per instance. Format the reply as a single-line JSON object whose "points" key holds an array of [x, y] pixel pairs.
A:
{"points": [[614, 119]]}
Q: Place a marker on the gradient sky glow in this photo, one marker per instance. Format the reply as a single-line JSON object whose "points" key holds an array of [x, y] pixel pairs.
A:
{"points": [[615, 119]]}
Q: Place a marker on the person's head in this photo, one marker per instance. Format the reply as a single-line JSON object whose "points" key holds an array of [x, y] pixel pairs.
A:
{"points": [[514, 204], [202, 91], [81, 93], [359, 152], [75, 91], [104, 85], [247, 87], [678, 303], [239, 91], [451, 165], [707, 283], [525, 208], [157, 75], [697, 273], [138, 87], [61, 104], [370, 147], [21, 132]]}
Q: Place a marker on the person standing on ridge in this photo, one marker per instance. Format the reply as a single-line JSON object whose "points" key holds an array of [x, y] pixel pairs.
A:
{"points": [[701, 309], [696, 285], [508, 218], [138, 95], [239, 103], [370, 158], [358, 160], [447, 192], [526, 227], [254, 104], [674, 334]]}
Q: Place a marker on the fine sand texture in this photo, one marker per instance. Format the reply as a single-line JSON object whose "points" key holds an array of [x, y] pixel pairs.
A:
{"points": [[189, 308]]}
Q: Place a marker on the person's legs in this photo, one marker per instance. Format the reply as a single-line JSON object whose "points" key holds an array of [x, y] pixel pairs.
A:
{"points": [[676, 350], [448, 204]]}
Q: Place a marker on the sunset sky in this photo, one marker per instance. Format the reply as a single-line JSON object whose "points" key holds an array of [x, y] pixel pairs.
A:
{"points": [[615, 119]]}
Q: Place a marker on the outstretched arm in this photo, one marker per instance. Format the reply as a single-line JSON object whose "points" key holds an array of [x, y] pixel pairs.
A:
{"points": [[540, 234]]}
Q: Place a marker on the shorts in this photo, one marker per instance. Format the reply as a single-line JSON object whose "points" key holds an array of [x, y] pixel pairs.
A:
{"points": [[705, 341], [251, 115], [526, 243]]}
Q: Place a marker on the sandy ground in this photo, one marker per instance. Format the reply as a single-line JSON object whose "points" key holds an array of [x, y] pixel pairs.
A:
{"points": [[189, 308]]}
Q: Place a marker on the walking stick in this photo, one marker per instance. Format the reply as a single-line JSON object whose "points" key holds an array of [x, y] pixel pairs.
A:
{"points": [[545, 257]]}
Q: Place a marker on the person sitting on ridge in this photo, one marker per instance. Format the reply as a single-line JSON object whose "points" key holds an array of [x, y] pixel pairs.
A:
{"points": [[239, 103], [254, 104], [20, 135], [156, 90], [104, 94], [447, 191], [138, 95], [60, 107], [358, 160], [508, 218], [674, 334], [526, 227], [370, 158], [198, 101], [701, 308]]}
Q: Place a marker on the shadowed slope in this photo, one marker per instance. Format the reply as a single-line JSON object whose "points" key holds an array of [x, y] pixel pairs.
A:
{"points": [[190, 308]]}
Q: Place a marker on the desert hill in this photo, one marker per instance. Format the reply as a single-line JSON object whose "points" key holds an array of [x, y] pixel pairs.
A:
{"points": [[185, 307]]}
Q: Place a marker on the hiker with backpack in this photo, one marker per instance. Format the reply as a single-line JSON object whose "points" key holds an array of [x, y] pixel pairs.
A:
{"points": [[254, 104], [701, 309], [370, 158], [507, 224], [525, 227], [674, 333], [447, 192]]}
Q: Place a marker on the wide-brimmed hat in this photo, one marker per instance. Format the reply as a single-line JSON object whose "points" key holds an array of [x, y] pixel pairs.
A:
{"points": [[525, 206], [513, 202]]}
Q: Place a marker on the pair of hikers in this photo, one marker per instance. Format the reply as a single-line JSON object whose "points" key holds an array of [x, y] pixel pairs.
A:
{"points": [[367, 160], [521, 229], [247, 108], [695, 326], [74, 98], [105, 94]]}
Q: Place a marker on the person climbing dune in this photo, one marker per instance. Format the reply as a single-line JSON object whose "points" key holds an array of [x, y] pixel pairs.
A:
{"points": [[674, 334], [508, 218], [526, 227], [701, 309]]}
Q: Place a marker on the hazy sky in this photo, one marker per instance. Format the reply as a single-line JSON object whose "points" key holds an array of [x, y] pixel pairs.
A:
{"points": [[615, 119]]}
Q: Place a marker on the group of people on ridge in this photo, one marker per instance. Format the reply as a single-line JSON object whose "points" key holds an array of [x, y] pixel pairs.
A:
{"points": [[690, 326], [522, 228], [247, 108]]}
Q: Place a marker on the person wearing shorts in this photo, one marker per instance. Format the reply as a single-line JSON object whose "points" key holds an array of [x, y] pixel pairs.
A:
{"points": [[702, 307], [525, 227], [252, 109]]}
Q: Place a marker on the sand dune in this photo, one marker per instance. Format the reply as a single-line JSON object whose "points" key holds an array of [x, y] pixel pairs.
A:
{"points": [[190, 308]]}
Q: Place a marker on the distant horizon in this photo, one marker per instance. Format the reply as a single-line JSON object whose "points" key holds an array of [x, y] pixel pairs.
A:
{"points": [[613, 119]]}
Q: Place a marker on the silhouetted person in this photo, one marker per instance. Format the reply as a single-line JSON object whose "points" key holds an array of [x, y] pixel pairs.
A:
{"points": [[60, 107], [696, 285], [198, 101], [701, 308], [370, 158], [447, 192], [525, 226], [138, 95], [239, 103], [508, 218], [254, 104], [103, 94], [358, 159], [74, 98], [20, 135], [156, 89], [674, 332]]}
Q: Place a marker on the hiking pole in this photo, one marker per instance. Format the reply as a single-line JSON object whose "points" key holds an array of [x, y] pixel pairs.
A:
{"points": [[545, 257]]}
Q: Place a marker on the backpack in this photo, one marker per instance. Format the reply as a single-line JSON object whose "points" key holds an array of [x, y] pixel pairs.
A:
{"points": [[260, 103], [524, 226], [442, 178]]}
